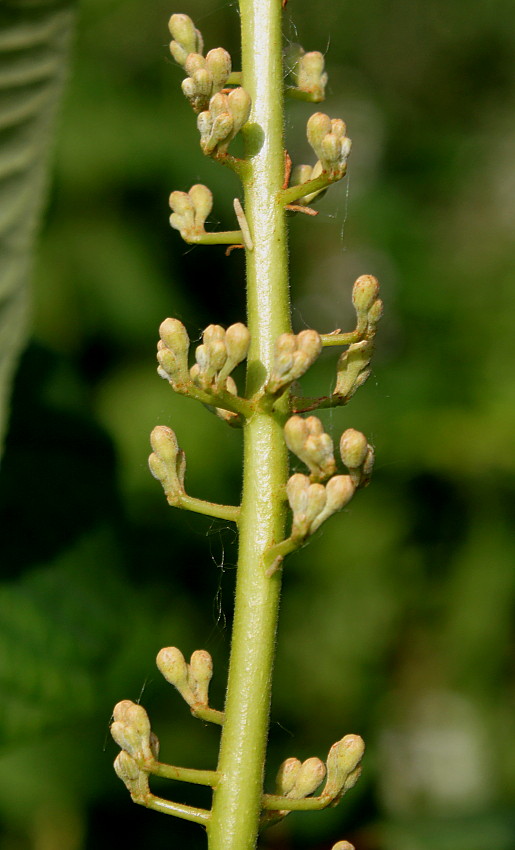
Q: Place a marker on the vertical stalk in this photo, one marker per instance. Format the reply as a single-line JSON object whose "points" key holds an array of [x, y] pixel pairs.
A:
{"points": [[237, 797]]}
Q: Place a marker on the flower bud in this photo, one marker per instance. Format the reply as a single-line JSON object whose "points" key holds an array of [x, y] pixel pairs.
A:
{"points": [[339, 490], [343, 845], [318, 126], [352, 369], [310, 75], [306, 438], [374, 314], [218, 63], [171, 663], [330, 147], [202, 199], [364, 293], [200, 674], [297, 492], [134, 779], [342, 761], [131, 729], [237, 341], [286, 776], [187, 39], [239, 105], [353, 448], [309, 777]]}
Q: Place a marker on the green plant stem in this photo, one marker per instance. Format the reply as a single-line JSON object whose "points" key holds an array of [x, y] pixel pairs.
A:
{"points": [[221, 237], [237, 798], [294, 193], [199, 506], [182, 774], [166, 807]]}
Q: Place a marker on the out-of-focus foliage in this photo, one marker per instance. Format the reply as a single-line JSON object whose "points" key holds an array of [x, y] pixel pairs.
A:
{"points": [[397, 620]]}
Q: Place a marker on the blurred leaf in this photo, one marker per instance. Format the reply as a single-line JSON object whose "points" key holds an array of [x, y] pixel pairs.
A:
{"points": [[34, 41]]}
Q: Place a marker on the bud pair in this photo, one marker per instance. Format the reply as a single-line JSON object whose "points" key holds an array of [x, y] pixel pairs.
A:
{"points": [[172, 353], [206, 76], [367, 305], [191, 680], [307, 439], [293, 355], [327, 138], [190, 210], [134, 778], [312, 504], [131, 730], [219, 354], [167, 463], [343, 766], [186, 38], [358, 456], [226, 115], [296, 779]]}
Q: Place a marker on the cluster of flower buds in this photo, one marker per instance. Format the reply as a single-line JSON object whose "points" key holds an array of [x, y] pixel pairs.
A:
{"points": [[224, 118], [307, 439], [131, 731], [327, 138], [220, 352], [343, 845], [296, 779], [343, 766], [353, 364], [167, 463], [358, 457], [312, 504], [307, 73], [190, 210], [191, 680], [206, 76], [293, 355], [186, 38], [172, 353], [134, 778], [302, 174]]}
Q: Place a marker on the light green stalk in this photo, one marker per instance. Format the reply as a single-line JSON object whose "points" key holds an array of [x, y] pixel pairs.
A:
{"points": [[237, 798]]}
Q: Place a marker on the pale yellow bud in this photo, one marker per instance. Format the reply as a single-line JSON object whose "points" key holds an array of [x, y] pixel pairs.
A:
{"points": [[343, 845], [164, 443], [342, 761], [375, 313], [187, 39], [286, 776], [353, 448], [239, 105], [134, 779], [171, 663], [237, 341], [330, 148], [318, 126], [131, 729], [297, 492], [200, 674], [218, 63], [309, 777], [364, 293]]}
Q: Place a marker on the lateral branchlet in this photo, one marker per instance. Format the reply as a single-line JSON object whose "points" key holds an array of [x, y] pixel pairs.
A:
{"points": [[224, 118], [303, 174]]}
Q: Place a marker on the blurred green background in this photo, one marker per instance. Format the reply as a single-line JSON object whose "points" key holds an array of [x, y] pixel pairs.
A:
{"points": [[397, 621]]}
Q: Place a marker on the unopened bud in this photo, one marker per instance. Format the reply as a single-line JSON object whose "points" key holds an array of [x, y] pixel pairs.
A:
{"points": [[353, 448], [343, 845], [202, 199], [307, 439], [237, 341], [286, 776], [187, 39], [218, 63], [310, 75], [134, 779], [239, 105], [318, 126], [171, 663], [375, 313], [364, 293], [297, 492], [339, 490], [342, 762], [131, 729], [200, 674], [352, 369], [309, 777]]}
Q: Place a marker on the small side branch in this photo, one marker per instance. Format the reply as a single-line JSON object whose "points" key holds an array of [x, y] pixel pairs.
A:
{"points": [[222, 237], [166, 807], [181, 774], [275, 555], [199, 506], [294, 193], [210, 715], [275, 803]]}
